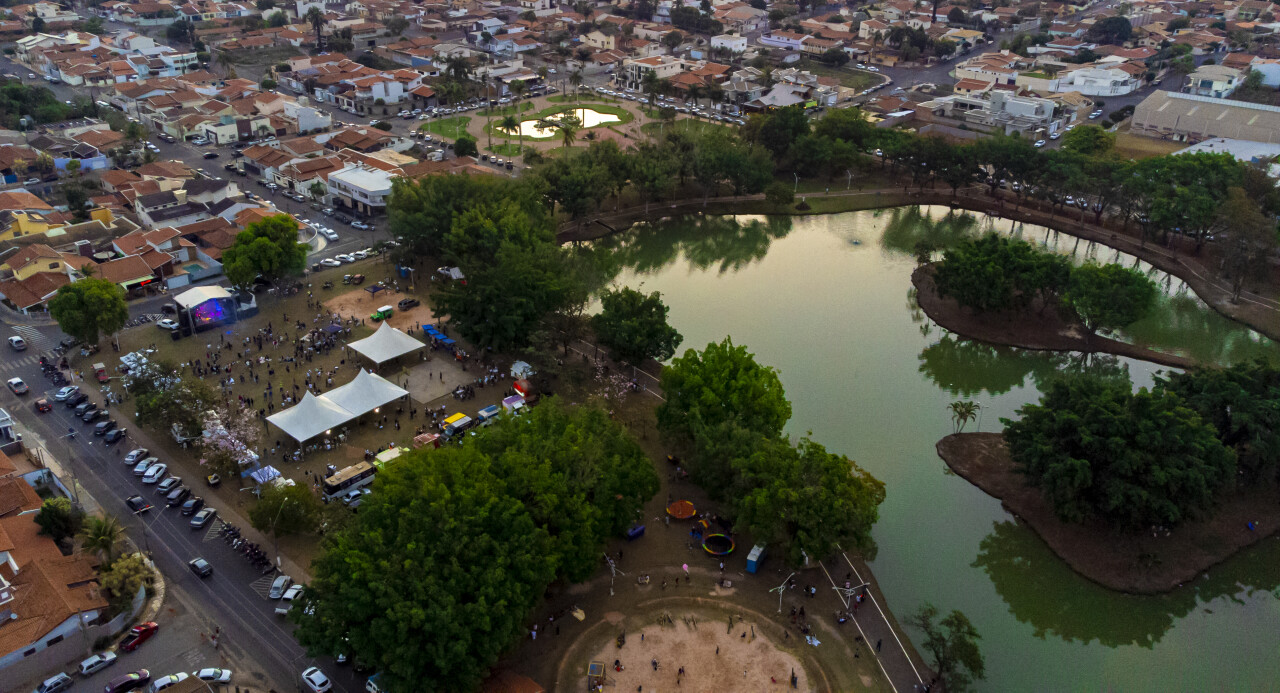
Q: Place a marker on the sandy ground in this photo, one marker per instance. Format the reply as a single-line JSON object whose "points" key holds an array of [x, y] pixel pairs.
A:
{"points": [[713, 660], [361, 304]]}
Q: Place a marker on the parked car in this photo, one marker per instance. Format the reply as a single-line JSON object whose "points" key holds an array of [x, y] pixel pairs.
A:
{"points": [[66, 392], [1040, 143], [17, 387], [200, 567], [84, 408], [166, 681], [155, 473], [129, 682], [164, 487], [168, 324], [203, 517], [114, 436], [214, 675], [279, 585], [138, 634], [100, 429], [53, 684], [93, 415], [330, 262], [177, 496], [191, 505], [407, 303], [316, 681], [286, 600], [97, 663], [18, 343], [135, 455], [75, 399]]}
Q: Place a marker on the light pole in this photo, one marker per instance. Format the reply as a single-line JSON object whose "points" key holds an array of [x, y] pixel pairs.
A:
{"points": [[146, 538], [979, 404], [275, 537], [797, 186]]}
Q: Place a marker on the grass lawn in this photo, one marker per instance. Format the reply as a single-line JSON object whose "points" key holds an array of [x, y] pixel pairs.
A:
{"points": [[584, 96], [849, 78], [1142, 147], [510, 109], [507, 149], [450, 127], [693, 126]]}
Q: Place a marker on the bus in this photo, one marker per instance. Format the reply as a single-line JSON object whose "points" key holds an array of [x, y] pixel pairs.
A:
{"points": [[356, 476]]}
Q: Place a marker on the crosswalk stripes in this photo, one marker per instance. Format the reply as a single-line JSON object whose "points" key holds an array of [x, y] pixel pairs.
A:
{"points": [[262, 586], [7, 365], [34, 338]]}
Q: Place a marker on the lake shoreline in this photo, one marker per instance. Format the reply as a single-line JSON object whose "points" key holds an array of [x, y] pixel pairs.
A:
{"points": [[1043, 331], [1125, 562], [1258, 314]]}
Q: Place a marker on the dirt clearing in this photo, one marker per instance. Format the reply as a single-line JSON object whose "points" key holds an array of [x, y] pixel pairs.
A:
{"points": [[361, 304]]}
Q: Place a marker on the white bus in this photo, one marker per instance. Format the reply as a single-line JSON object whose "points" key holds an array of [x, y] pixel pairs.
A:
{"points": [[356, 476]]}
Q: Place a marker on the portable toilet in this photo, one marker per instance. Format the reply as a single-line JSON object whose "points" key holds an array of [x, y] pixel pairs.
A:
{"points": [[755, 558], [488, 414]]}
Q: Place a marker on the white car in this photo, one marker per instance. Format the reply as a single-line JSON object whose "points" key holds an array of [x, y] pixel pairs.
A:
{"points": [[97, 663], [329, 234], [214, 675], [135, 455], [155, 473], [330, 262], [1040, 143], [18, 343], [344, 258], [286, 601], [166, 681], [199, 141], [279, 586], [316, 681], [360, 255], [141, 468], [168, 324], [66, 392]]}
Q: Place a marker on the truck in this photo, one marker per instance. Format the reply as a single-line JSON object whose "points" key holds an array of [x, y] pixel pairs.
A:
{"points": [[100, 370], [456, 424], [488, 415]]}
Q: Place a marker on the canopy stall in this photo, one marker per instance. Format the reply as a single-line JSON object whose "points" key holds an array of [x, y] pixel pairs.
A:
{"points": [[265, 474], [386, 344], [365, 393], [310, 417]]}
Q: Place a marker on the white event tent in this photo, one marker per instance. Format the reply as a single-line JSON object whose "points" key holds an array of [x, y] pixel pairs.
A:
{"points": [[313, 415], [386, 344]]}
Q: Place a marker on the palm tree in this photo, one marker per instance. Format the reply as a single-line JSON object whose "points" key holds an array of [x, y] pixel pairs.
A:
{"points": [[650, 85], [315, 17], [694, 91], [962, 413], [569, 127], [102, 535], [458, 68], [576, 80], [509, 124], [876, 37]]}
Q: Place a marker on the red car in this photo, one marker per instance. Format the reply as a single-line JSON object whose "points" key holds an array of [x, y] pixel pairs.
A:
{"points": [[42, 405], [138, 635]]}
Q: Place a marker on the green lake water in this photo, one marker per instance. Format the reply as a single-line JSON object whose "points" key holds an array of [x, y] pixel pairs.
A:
{"points": [[827, 300]]}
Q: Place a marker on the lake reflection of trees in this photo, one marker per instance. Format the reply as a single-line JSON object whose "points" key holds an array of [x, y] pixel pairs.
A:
{"points": [[907, 226], [1181, 323], [704, 241], [966, 367], [1042, 591]]}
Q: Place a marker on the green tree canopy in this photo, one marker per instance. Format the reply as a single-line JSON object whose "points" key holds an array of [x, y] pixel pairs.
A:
{"points": [[58, 519], [124, 578], [87, 308], [994, 273], [722, 384], [465, 145], [286, 510], [1134, 460], [268, 248], [804, 500], [1090, 140], [1109, 297], [1242, 403], [953, 643], [633, 326]]}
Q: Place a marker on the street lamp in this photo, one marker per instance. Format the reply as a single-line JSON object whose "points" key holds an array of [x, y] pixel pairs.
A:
{"points": [[146, 538], [275, 537], [797, 186]]}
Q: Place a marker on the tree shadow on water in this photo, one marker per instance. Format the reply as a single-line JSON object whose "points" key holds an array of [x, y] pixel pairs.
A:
{"points": [[1042, 591], [705, 241], [966, 367]]}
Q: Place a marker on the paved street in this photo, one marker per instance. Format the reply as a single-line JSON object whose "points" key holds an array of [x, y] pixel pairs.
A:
{"points": [[233, 598]]}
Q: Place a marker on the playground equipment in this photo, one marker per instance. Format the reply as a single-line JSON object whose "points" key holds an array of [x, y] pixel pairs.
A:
{"points": [[718, 544]]}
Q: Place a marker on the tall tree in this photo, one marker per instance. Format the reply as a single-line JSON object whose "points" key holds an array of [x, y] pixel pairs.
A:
{"points": [[1109, 297], [953, 643], [102, 535], [1247, 238], [633, 326], [87, 308], [721, 384], [58, 519], [286, 510], [268, 248], [315, 17]]}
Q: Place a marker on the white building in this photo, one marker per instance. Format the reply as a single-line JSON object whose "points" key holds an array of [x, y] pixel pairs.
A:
{"points": [[734, 44], [1099, 81], [360, 189]]}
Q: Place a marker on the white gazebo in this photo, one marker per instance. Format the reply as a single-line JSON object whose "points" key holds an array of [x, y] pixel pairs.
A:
{"points": [[365, 393], [314, 415], [386, 344]]}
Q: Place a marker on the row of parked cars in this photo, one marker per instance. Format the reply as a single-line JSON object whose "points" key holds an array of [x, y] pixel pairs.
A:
{"points": [[133, 680]]}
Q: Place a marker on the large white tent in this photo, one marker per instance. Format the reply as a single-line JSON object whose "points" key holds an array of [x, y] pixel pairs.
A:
{"points": [[200, 294], [386, 344], [313, 415], [365, 393]]}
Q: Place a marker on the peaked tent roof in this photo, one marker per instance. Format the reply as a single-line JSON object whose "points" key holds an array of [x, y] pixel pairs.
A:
{"points": [[200, 294], [385, 344], [366, 392], [310, 417]]}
